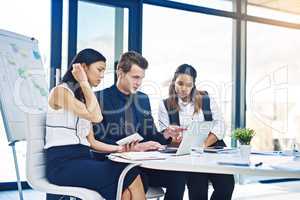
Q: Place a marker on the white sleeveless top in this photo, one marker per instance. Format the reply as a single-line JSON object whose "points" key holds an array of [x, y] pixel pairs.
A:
{"points": [[63, 127]]}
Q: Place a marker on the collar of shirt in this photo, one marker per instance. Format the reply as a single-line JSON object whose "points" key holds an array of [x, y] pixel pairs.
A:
{"points": [[183, 104], [120, 94]]}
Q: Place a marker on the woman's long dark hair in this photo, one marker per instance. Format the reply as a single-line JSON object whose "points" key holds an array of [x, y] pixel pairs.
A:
{"points": [[196, 95], [88, 57]]}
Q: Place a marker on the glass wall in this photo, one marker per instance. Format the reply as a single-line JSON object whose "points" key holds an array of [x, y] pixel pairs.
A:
{"points": [[273, 70], [173, 37], [23, 17], [104, 29]]}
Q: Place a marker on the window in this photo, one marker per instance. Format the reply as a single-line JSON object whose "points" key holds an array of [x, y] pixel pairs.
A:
{"points": [[273, 70], [104, 29], [216, 4], [172, 37], [23, 17], [65, 42]]}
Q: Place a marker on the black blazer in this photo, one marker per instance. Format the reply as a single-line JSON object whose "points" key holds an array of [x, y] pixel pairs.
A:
{"points": [[112, 103]]}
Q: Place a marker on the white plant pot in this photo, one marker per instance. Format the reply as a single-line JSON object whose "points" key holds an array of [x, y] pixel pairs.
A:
{"points": [[245, 151]]}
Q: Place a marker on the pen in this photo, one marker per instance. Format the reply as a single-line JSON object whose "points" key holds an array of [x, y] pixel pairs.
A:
{"points": [[163, 123], [165, 126], [258, 164]]}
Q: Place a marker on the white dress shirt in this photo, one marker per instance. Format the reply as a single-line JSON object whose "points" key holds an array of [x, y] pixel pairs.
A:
{"points": [[186, 116]]}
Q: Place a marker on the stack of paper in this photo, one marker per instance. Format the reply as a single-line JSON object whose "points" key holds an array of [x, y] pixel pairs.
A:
{"points": [[149, 155]]}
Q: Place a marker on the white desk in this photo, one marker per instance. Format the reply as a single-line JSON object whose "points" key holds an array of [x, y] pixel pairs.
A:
{"points": [[207, 163]]}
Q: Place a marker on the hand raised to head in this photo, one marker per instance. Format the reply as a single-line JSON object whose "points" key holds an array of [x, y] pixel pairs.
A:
{"points": [[79, 73]]}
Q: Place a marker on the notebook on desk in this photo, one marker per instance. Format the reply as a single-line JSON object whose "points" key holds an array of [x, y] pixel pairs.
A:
{"points": [[140, 156]]}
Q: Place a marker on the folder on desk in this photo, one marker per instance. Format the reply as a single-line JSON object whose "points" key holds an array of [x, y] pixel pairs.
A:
{"points": [[139, 156]]}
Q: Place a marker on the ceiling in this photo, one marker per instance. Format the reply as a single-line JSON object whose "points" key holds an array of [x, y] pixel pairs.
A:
{"points": [[290, 6]]}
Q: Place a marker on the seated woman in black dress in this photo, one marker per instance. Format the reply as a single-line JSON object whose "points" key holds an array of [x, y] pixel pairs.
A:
{"points": [[72, 107]]}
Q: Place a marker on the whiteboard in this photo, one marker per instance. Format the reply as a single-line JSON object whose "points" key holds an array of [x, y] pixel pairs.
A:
{"points": [[23, 86]]}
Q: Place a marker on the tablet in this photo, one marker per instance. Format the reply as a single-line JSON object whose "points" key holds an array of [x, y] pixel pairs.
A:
{"points": [[194, 136], [131, 138]]}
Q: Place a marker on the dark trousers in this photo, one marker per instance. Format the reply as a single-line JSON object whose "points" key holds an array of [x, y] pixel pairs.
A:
{"points": [[197, 184], [173, 181]]}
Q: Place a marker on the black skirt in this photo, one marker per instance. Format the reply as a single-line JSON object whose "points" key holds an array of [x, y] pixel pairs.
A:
{"points": [[73, 165]]}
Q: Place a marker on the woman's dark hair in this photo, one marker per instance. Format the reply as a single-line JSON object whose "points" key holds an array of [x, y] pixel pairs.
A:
{"points": [[88, 57], [172, 101]]}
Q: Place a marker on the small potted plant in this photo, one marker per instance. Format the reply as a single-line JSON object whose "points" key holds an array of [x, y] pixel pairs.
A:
{"points": [[244, 136]]}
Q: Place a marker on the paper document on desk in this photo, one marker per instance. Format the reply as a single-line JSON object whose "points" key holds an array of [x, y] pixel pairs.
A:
{"points": [[290, 166], [149, 155]]}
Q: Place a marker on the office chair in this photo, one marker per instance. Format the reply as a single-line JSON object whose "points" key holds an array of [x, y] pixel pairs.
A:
{"points": [[35, 164]]}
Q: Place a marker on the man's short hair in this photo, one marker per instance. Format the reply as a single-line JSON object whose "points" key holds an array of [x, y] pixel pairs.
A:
{"points": [[129, 58]]}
